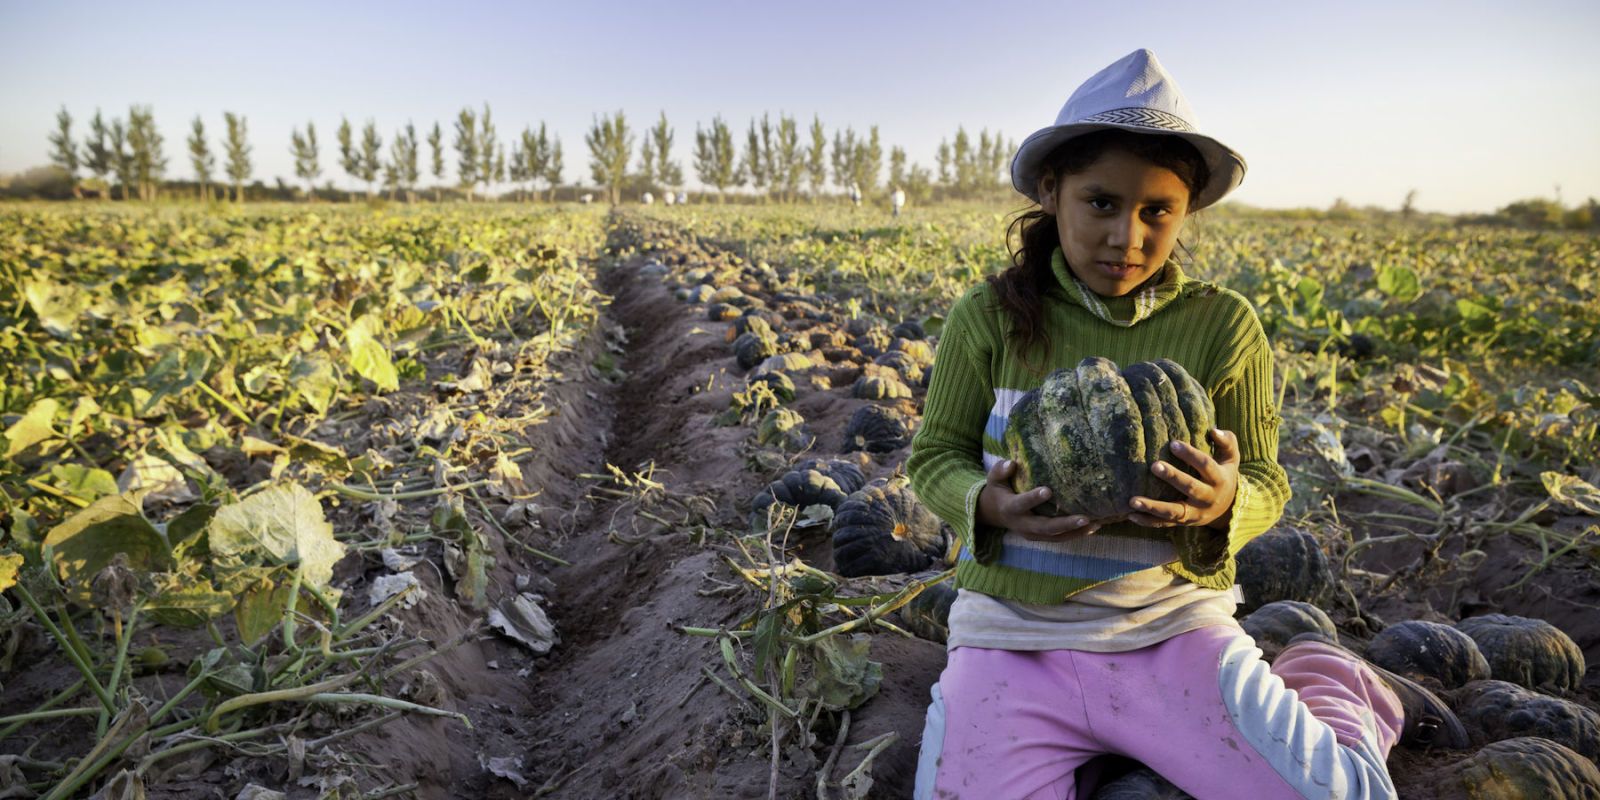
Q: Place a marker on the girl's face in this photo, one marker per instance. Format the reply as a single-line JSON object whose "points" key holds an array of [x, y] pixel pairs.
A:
{"points": [[1118, 220]]}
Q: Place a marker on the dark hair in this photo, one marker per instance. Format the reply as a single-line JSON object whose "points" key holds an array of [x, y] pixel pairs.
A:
{"points": [[1032, 236]]}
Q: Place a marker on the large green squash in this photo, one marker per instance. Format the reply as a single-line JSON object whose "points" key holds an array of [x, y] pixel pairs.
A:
{"points": [[1092, 433]]}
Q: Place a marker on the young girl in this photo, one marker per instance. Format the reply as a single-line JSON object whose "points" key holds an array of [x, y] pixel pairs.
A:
{"points": [[1070, 640]]}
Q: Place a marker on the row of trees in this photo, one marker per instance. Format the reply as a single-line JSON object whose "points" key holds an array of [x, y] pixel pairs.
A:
{"points": [[777, 160]]}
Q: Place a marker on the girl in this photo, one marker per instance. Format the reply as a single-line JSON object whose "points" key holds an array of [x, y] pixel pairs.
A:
{"points": [[1070, 640]]}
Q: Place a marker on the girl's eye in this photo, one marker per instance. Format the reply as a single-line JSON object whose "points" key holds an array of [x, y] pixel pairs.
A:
{"points": [[1100, 203]]}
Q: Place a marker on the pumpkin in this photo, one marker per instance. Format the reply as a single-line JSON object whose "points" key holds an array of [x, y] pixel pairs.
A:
{"points": [[727, 294], [860, 326], [877, 429], [798, 488], [1092, 433], [700, 294], [883, 529], [910, 329], [1284, 564], [782, 388], [1525, 768], [785, 362], [901, 362], [1274, 624], [1421, 649], [722, 312], [752, 348], [824, 338], [783, 428], [928, 614], [845, 473], [920, 351], [1527, 652], [756, 322], [873, 343], [1141, 784], [879, 383], [1495, 710]]}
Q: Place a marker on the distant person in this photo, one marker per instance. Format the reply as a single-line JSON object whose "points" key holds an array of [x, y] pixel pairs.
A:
{"points": [[588, 197], [1072, 636], [683, 197], [647, 198], [897, 200], [667, 198], [855, 193]]}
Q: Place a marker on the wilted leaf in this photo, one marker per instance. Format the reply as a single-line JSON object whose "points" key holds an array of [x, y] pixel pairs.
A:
{"points": [[471, 568], [155, 478], [9, 564], [314, 381], [91, 538], [260, 608], [188, 603], [280, 525], [57, 305], [842, 676], [368, 357], [524, 621], [1572, 492], [35, 427]]}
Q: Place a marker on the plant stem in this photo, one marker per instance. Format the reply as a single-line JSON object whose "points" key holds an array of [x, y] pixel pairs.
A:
{"points": [[72, 652]]}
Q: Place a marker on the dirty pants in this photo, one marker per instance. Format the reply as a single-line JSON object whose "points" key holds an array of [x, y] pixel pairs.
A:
{"points": [[1201, 709]]}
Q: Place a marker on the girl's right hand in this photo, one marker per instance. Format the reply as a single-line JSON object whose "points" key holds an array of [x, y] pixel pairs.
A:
{"points": [[1000, 507]]}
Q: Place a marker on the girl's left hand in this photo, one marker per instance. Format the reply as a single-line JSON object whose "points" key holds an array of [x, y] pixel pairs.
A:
{"points": [[1207, 499]]}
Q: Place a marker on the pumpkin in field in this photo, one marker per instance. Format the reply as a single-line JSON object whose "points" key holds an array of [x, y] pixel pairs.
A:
{"points": [[1417, 648], [783, 428], [877, 429], [1527, 652], [722, 312], [1274, 624], [1495, 710], [1092, 433], [928, 614], [812, 482], [1284, 564], [909, 369], [758, 322], [879, 383], [874, 342], [910, 329], [754, 347], [1525, 768], [884, 530], [780, 384]]}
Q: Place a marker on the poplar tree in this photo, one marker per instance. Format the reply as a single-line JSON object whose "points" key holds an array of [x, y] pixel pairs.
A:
{"points": [[304, 150], [536, 154], [789, 163], [409, 173], [467, 150], [64, 153], [870, 162], [201, 157], [500, 164], [121, 159], [518, 171], [845, 151], [349, 157], [714, 157], [897, 167], [816, 158], [610, 146], [145, 142], [487, 148], [755, 162], [371, 156], [238, 151], [552, 170], [667, 171], [96, 155], [436, 141]]}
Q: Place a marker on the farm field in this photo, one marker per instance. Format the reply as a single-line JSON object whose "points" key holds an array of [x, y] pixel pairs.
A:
{"points": [[468, 500]]}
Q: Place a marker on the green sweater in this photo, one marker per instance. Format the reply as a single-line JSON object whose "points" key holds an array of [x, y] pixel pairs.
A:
{"points": [[977, 377]]}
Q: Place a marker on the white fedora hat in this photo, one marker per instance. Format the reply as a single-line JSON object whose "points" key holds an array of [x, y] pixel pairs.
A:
{"points": [[1134, 94]]}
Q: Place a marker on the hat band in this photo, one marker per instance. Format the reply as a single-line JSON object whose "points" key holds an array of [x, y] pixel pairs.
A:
{"points": [[1143, 117]]}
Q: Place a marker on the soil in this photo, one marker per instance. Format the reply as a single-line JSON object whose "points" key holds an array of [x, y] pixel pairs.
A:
{"points": [[622, 705]]}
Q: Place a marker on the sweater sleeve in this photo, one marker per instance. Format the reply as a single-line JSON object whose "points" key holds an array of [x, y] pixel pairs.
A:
{"points": [[946, 461]]}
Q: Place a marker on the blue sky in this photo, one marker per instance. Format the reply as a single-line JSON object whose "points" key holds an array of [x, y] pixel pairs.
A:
{"points": [[1472, 104]]}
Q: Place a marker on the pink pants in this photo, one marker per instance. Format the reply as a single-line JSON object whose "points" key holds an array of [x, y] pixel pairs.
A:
{"points": [[1201, 709]]}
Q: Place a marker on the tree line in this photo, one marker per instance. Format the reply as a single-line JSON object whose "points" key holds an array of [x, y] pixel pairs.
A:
{"points": [[777, 160]]}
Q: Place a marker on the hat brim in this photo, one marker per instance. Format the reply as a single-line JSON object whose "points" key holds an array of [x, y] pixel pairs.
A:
{"points": [[1227, 166]]}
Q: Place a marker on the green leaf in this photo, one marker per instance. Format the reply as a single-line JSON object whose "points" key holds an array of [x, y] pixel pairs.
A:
{"points": [[91, 538], [1399, 283], [314, 381], [280, 525], [1573, 492], [472, 574], [183, 532], [174, 373], [57, 305], [368, 357], [9, 564], [85, 483], [1310, 291], [260, 609], [188, 604], [1475, 310], [34, 428]]}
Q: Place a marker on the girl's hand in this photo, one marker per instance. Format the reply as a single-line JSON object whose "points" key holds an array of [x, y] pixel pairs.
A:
{"points": [[1207, 499], [1000, 507]]}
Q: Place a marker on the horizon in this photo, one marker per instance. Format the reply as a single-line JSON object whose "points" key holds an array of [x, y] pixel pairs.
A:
{"points": [[1454, 110]]}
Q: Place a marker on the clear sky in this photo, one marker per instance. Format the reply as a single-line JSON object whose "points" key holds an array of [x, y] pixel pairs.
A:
{"points": [[1473, 104]]}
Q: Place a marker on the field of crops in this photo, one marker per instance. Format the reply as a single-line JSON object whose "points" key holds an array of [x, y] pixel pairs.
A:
{"points": [[549, 500]]}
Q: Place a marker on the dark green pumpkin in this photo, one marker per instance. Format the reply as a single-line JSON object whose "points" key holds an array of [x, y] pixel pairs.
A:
{"points": [[928, 614], [1284, 564], [879, 383], [753, 347], [909, 329], [884, 530], [1092, 433], [1525, 768], [877, 429], [1528, 652], [909, 369], [785, 429], [1274, 624], [722, 312], [780, 384], [1495, 710], [1421, 649], [797, 488]]}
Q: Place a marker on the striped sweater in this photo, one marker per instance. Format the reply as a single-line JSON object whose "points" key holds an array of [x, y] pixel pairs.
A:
{"points": [[977, 378]]}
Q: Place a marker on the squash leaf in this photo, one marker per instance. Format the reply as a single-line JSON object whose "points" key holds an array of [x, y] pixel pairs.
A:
{"points": [[10, 563], [314, 381], [91, 538], [282, 525], [34, 428], [188, 603], [261, 608], [368, 357], [1400, 283], [57, 305], [85, 483], [842, 676], [1573, 492]]}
